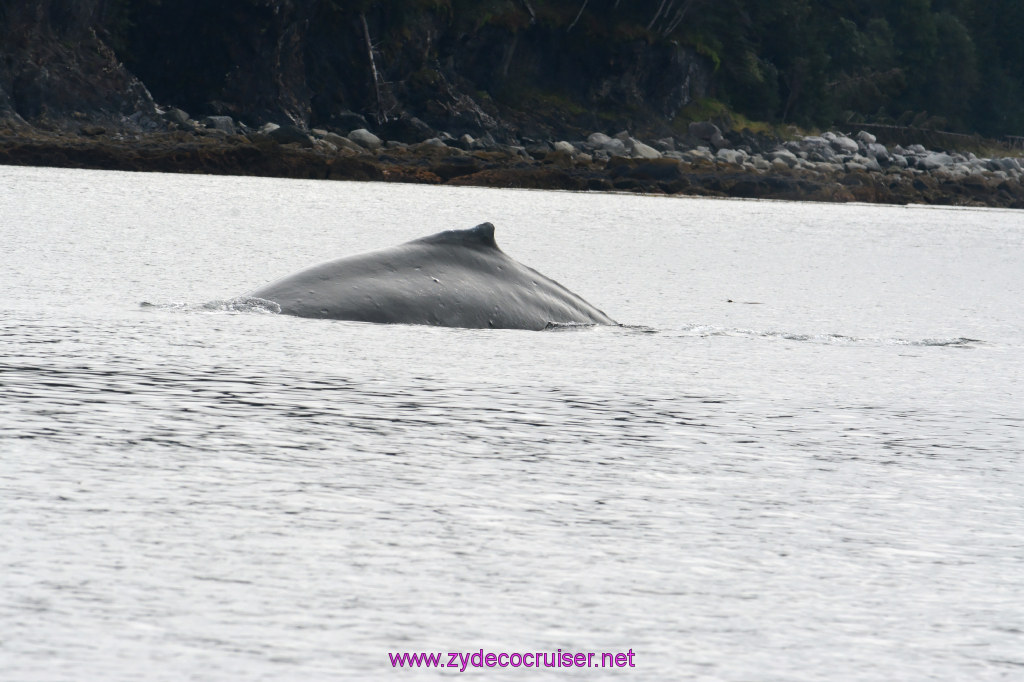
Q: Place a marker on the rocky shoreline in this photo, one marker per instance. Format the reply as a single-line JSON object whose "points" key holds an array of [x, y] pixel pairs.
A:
{"points": [[706, 161]]}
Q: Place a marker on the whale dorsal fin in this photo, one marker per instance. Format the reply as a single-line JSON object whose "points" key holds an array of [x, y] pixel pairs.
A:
{"points": [[481, 236]]}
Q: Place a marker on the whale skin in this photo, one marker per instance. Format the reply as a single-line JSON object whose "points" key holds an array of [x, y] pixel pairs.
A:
{"points": [[457, 278]]}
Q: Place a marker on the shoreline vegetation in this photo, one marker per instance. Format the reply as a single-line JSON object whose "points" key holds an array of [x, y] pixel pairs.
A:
{"points": [[706, 161], [684, 97]]}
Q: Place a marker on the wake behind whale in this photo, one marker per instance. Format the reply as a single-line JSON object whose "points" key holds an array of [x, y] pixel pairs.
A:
{"points": [[458, 278]]}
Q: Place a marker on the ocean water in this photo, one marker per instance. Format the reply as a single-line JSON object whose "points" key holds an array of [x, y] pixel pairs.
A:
{"points": [[800, 457]]}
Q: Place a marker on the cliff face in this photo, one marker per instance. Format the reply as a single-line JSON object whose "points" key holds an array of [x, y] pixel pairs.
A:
{"points": [[54, 66], [318, 62]]}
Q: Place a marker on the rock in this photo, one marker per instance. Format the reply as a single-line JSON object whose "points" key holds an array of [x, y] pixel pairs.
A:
{"points": [[176, 115], [817, 149], [466, 142], [665, 144], [866, 137], [704, 130], [432, 142], [845, 145], [1007, 165], [516, 151], [268, 128], [348, 120], [899, 161], [537, 148], [223, 123], [563, 146], [485, 143], [784, 155], [733, 156], [700, 153], [616, 147], [719, 141], [365, 138], [934, 161], [92, 131], [642, 151], [610, 145], [877, 151], [408, 129], [289, 134], [319, 132], [342, 142]]}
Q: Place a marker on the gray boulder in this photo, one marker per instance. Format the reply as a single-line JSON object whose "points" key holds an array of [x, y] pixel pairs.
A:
{"points": [[289, 134], [719, 142], [934, 161], [566, 147], [342, 142], [612, 146], [616, 147], [665, 144], [642, 151], [844, 145], [365, 138], [816, 149], [866, 137], [348, 120], [704, 130], [733, 156], [1006, 165], [783, 155], [432, 142], [700, 153], [877, 151], [222, 123], [176, 115]]}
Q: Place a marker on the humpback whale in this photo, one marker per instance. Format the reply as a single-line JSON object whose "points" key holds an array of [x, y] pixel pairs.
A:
{"points": [[457, 278]]}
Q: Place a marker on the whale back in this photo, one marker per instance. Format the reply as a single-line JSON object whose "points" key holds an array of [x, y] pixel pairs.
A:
{"points": [[456, 278]]}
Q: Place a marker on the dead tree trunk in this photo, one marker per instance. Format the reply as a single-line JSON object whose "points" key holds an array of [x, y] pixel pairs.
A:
{"points": [[382, 115], [577, 16]]}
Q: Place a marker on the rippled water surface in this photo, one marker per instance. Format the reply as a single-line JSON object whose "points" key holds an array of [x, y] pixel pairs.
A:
{"points": [[799, 459]]}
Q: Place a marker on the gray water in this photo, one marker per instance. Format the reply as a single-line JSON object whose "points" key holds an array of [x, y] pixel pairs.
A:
{"points": [[799, 458]]}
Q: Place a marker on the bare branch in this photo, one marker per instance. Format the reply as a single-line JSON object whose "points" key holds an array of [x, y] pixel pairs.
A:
{"points": [[577, 16], [656, 14], [529, 8], [381, 114]]}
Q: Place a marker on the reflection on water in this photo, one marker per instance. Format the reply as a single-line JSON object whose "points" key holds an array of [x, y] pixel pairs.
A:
{"points": [[194, 490]]}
